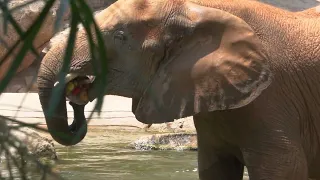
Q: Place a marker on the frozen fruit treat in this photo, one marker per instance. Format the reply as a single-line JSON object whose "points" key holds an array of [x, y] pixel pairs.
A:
{"points": [[77, 90]]}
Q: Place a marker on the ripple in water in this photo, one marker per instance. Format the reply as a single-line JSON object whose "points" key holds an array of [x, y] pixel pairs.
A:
{"points": [[105, 156]]}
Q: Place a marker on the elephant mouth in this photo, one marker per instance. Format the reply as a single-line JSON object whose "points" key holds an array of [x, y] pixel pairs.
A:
{"points": [[77, 88]]}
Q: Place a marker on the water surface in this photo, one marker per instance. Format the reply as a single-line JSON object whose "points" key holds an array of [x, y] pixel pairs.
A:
{"points": [[104, 155]]}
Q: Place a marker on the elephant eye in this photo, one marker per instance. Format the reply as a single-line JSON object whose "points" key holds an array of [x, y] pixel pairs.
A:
{"points": [[119, 35]]}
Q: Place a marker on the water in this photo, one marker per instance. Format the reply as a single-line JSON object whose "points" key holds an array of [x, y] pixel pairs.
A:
{"points": [[104, 155]]}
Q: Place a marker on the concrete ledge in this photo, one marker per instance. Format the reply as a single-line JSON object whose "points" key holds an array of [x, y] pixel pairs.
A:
{"points": [[115, 113], [26, 107]]}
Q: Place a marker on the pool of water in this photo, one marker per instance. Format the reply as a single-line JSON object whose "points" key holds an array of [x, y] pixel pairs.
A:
{"points": [[104, 155]]}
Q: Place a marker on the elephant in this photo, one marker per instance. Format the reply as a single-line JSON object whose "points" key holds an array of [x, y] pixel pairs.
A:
{"points": [[246, 71]]}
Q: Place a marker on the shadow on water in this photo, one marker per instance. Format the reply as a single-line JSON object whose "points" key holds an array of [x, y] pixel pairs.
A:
{"points": [[104, 155]]}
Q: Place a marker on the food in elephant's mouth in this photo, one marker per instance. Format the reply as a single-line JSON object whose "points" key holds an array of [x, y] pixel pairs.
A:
{"points": [[77, 90]]}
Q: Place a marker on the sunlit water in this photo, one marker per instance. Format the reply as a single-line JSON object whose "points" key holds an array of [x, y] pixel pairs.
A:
{"points": [[106, 156]]}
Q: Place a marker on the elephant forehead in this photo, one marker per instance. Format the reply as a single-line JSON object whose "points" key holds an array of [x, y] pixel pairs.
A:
{"points": [[126, 12], [142, 31], [149, 9], [132, 10]]}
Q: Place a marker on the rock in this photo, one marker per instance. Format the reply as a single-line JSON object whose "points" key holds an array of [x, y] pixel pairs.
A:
{"points": [[24, 81], [177, 126], [17, 144], [170, 141], [25, 16], [37, 145]]}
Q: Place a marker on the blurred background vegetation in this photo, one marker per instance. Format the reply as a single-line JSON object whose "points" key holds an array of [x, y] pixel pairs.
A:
{"points": [[15, 161]]}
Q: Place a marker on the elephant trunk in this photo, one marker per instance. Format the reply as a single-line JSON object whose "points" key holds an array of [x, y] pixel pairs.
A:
{"points": [[57, 122]]}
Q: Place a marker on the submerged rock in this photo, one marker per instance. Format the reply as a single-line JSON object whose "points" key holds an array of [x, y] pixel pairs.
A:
{"points": [[171, 141]]}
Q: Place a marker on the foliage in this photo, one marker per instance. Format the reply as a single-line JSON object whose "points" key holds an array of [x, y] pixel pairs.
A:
{"points": [[80, 14], [15, 160]]}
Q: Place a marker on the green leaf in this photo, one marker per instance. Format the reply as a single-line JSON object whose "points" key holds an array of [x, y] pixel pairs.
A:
{"points": [[87, 26], [88, 15], [63, 6], [59, 89], [92, 46], [5, 18]]}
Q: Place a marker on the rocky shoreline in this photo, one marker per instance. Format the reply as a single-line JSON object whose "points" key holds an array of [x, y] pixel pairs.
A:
{"points": [[37, 145], [171, 141], [26, 141]]}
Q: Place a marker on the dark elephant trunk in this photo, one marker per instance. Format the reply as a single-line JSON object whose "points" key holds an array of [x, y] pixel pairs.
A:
{"points": [[57, 121]]}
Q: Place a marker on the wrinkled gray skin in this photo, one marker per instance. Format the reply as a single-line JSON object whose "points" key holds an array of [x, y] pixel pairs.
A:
{"points": [[247, 72]]}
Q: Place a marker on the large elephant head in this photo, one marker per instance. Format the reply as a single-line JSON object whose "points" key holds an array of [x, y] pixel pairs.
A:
{"points": [[173, 58]]}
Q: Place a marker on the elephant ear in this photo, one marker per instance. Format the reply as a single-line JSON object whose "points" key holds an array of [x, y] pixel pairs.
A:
{"points": [[219, 65]]}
